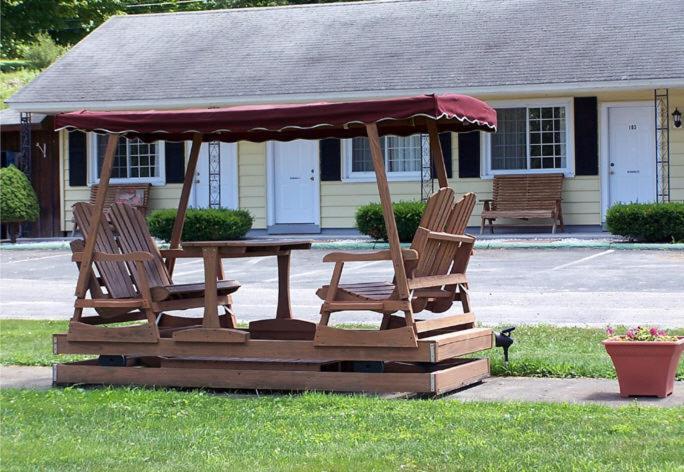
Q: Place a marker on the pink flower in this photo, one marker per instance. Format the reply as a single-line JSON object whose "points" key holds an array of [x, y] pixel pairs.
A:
{"points": [[654, 331], [630, 333], [610, 331], [662, 332]]}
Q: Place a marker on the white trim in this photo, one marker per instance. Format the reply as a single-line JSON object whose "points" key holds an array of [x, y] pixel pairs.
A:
{"points": [[270, 185], [604, 150], [233, 174], [349, 176], [485, 143], [94, 178], [570, 88]]}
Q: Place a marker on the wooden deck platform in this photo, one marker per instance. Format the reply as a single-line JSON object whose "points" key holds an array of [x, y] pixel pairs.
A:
{"points": [[431, 367]]}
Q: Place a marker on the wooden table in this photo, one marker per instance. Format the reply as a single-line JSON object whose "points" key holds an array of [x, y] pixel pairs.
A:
{"points": [[212, 252]]}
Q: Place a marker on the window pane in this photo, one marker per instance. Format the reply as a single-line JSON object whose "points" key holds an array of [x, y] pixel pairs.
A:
{"points": [[361, 158], [403, 153], [548, 150], [133, 158], [509, 143], [119, 167]]}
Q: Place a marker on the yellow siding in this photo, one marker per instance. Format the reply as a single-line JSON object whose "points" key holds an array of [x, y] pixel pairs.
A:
{"points": [[676, 148], [339, 200], [252, 180]]}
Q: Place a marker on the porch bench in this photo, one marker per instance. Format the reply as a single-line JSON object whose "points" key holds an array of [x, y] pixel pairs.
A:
{"points": [[137, 195], [525, 197]]}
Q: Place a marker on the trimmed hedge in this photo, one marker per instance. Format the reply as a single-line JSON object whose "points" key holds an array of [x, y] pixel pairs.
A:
{"points": [[18, 200], [369, 219], [648, 222], [202, 224]]}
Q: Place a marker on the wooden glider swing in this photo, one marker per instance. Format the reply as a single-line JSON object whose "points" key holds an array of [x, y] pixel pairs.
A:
{"points": [[124, 277]]}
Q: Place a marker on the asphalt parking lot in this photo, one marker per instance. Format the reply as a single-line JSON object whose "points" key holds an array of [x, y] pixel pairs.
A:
{"points": [[559, 286]]}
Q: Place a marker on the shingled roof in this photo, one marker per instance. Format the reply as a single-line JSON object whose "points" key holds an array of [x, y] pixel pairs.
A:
{"points": [[364, 49]]}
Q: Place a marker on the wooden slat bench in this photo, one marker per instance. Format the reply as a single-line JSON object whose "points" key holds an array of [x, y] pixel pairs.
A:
{"points": [[136, 195], [525, 197]]}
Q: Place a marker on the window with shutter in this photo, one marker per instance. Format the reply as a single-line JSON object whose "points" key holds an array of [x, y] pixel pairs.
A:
{"points": [[531, 137], [134, 162]]}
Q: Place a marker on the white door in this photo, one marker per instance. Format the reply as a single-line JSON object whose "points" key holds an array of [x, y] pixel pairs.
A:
{"points": [[631, 154], [295, 182], [215, 182]]}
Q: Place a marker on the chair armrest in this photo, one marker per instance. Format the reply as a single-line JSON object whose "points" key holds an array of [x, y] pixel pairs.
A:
{"points": [[386, 255], [106, 257], [461, 238], [486, 200]]}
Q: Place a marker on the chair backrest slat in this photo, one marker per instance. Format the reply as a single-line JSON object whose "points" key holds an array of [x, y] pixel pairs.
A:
{"points": [[114, 275], [526, 192], [134, 236], [436, 256]]}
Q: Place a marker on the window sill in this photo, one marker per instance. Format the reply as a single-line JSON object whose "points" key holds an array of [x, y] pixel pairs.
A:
{"points": [[156, 182]]}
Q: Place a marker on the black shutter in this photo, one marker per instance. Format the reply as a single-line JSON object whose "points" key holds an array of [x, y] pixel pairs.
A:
{"points": [[330, 150], [586, 136], [174, 161], [469, 154], [445, 142], [78, 159]]}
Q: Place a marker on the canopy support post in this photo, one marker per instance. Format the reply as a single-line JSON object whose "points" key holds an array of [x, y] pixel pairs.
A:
{"points": [[178, 223], [388, 212], [436, 154], [98, 213]]}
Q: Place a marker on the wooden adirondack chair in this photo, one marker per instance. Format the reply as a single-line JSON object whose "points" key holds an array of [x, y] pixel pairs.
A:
{"points": [[435, 267], [136, 282]]}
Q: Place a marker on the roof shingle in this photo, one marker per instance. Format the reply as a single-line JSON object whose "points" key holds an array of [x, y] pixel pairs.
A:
{"points": [[366, 47]]}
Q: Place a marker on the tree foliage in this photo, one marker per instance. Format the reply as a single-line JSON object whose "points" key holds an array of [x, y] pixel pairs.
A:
{"points": [[43, 51], [68, 21]]}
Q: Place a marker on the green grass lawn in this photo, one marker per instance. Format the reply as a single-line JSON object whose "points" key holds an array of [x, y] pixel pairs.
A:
{"points": [[539, 351], [10, 82], [136, 429]]}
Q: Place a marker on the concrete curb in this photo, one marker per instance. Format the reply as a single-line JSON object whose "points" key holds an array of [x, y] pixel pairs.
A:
{"points": [[493, 244], [349, 245]]}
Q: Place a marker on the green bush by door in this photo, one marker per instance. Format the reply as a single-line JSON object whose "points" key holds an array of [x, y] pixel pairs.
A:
{"points": [[648, 222], [369, 219], [206, 224]]}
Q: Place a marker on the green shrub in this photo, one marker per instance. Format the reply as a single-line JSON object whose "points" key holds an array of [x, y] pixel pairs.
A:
{"points": [[12, 65], [206, 224], [649, 222], [369, 219], [18, 201], [43, 51]]}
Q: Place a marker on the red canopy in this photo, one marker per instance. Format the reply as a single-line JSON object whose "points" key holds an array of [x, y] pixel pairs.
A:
{"points": [[396, 116]]}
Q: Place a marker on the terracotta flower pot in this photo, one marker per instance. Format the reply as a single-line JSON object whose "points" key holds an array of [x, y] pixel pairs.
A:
{"points": [[645, 368]]}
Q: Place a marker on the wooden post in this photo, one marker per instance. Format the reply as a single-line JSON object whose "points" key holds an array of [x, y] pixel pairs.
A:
{"points": [[388, 212], [98, 213], [436, 154], [211, 318], [177, 230]]}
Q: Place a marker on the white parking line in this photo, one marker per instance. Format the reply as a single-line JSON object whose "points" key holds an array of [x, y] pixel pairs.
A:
{"points": [[593, 256], [188, 272], [295, 276], [357, 267], [37, 258]]}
